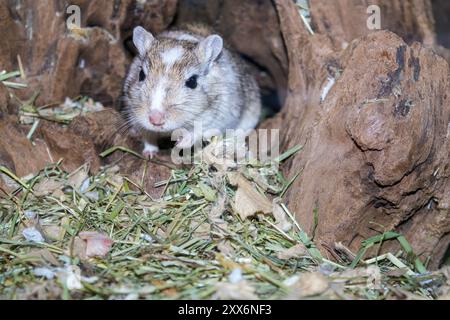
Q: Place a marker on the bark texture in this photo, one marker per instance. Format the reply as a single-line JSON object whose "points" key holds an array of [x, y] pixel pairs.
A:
{"points": [[376, 147]]}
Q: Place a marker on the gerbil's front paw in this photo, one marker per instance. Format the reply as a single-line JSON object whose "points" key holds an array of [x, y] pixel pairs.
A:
{"points": [[150, 150]]}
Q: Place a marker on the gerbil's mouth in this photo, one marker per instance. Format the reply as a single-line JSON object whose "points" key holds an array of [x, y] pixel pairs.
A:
{"points": [[162, 128], [159, 129], [154, 128]]}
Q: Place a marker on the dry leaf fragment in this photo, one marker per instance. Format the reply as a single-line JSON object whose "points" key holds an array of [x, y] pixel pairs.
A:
{"points": [[54, 232], [341, 248], [397, 272], [97, 244], [237, 288], [281, 218], [248, 201], [116, 180], [77, 248], [262, 181], [225, 248], [218, 224], [59, 194], [224, 153], [202, 230], [70, 277], [296, 251], [32, 219], [359, 272], [217, 210], [77, 179], [44, 255], [44, 272], [33, 235], [47, 186], [309, 285], [208, 192], [235, 291], [445, 270], [371, 274]]}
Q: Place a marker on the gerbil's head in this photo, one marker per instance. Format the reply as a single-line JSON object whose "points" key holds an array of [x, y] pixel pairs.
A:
{"points": [[166, 87]]}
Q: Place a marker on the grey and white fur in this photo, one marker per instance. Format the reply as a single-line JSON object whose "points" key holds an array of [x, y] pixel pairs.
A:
{"points": [[184, 77]]}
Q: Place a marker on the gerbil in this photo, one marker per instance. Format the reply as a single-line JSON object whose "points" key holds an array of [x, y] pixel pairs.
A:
{"points": [[184, 77]]}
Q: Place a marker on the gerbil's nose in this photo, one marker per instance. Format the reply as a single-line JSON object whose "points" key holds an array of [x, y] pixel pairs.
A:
{"points": [[157, 118]]}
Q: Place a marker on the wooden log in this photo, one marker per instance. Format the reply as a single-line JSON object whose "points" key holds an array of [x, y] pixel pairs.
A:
{"points": [[376, 145]]}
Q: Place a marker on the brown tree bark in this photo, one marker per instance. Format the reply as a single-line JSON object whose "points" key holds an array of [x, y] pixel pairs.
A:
{"points": [[62, 64], [376, 149], [345, 20]]}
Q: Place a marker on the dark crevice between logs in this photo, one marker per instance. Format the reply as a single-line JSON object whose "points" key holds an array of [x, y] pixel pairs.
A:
{"points": [[441, 12]]}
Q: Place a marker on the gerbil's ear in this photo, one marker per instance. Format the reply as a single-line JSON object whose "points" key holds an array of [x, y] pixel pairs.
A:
{"points": [[210, 49], [142, 40]]}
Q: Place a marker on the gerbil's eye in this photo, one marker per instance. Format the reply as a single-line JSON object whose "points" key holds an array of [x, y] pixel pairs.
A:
{"points": [[192, 82], [141, 75]]}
